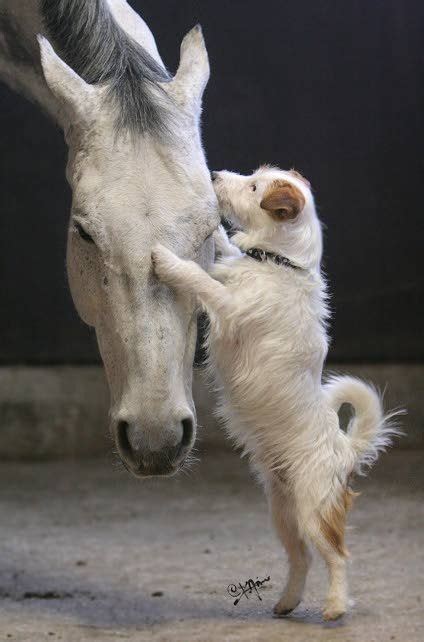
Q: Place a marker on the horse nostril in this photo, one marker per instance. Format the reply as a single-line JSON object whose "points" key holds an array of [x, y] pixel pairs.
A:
{"points": [[154, 450], [187, 432], [122, 438]]}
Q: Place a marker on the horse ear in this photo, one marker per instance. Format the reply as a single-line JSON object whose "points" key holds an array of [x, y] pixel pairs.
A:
{"points": [[74, 95], [283, 201], [193, 72]]}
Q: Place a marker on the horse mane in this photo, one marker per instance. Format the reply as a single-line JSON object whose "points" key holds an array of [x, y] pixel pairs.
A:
{"points": [[92, 43]]}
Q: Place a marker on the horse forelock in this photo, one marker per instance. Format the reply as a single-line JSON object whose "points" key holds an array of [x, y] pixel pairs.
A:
{"points": [[91, 42]]}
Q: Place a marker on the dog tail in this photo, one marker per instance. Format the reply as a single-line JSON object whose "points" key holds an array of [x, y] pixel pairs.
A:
{"points": [[370, 431]]}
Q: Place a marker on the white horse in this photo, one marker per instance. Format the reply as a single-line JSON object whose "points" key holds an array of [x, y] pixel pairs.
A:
{"points": [[138, 175]]}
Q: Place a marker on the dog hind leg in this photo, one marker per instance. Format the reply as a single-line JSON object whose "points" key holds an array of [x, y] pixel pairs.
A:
{"points": [[299, 557], [327, 530]]}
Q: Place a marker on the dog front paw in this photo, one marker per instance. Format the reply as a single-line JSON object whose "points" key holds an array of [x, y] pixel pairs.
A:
{"points": [[164, 261]]}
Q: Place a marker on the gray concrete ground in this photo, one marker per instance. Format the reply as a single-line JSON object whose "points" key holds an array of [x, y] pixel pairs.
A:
{"points": [[88, 553]]}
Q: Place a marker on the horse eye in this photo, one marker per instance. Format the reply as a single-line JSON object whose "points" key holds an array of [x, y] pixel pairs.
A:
{"points": [[83, 234]]}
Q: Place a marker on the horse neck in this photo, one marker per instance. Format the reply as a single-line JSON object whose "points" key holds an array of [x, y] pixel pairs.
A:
{"points": [[20, 66]]}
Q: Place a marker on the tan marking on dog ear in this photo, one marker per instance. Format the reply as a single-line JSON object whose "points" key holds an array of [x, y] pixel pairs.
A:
{"points": [[283, 201], [334, 522], [299, 176]]}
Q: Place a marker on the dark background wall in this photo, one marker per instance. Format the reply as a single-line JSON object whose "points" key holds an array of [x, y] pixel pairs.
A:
{"points": [[330, 88]]}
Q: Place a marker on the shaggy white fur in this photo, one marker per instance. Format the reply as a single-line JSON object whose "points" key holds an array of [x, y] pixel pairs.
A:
{"points": [[267, 345]]}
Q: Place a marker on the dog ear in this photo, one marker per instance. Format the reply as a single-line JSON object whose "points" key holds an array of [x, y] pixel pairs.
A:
{"points": [[283, 201]]}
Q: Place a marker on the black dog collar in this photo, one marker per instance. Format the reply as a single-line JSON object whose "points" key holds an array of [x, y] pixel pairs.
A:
{"points": [[262, 255]]}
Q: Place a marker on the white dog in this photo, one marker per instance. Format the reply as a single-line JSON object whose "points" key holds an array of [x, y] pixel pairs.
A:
{"points": [[267, 342]]}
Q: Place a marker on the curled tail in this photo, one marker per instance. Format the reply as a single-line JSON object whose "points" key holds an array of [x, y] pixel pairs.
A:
{"points": [[370, 431]]}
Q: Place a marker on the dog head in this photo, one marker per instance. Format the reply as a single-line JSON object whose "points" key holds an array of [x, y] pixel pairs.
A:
{"points": [[268, 196], [275, 209]]}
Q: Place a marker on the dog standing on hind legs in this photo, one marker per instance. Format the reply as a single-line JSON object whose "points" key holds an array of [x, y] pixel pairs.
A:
{"points": [[267, 344]]}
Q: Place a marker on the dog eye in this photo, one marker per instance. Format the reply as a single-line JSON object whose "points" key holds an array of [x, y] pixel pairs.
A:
{"points": [[83, 234], [253, 188]]}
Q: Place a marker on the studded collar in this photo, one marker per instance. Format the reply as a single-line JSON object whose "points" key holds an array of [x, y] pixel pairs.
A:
{"points": [[262, 256]]}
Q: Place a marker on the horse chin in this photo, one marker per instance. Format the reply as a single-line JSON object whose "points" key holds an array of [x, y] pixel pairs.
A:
{"points": [[146, 472]]}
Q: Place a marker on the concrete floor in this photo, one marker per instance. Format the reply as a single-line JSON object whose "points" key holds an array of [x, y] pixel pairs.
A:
{"points": [[88, 553]]}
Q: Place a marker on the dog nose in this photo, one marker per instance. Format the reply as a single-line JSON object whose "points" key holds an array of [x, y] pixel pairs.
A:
{"points": [[214, 176], [147, 451]]}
